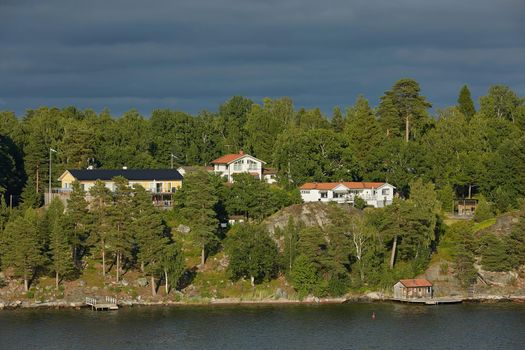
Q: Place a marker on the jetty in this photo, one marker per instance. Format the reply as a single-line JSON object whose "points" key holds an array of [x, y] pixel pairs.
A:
{"points": [[428, 301], [108, 303]]}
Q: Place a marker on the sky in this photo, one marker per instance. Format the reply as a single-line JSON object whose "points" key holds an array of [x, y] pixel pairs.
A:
{"points": [[193, 55]]}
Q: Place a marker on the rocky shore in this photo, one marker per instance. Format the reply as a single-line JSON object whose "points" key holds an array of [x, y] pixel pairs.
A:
{"points": [[365, 298]]}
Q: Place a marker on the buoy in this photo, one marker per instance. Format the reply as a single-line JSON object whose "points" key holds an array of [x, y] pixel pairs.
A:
{"points": [[373, 315]]}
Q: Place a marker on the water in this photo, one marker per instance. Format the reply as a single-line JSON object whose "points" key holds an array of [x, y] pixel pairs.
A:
{"points": [[474, 326]]}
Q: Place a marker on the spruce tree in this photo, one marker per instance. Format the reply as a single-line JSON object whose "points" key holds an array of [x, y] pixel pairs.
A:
{"points": [[199, 203], [61, 260], [338, 122], [465, 103], [78, 221], [22, 247]]}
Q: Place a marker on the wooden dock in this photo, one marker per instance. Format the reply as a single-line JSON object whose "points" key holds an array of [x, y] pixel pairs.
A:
{"points": [[109, 303], [429, 301]]}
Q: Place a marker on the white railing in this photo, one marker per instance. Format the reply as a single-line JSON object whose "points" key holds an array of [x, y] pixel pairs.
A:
{"points": [[91, 301], [111, 300]]}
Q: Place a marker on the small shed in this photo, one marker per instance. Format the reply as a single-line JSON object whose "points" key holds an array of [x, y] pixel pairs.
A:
{"points": [[413, 289], [465, 206]]}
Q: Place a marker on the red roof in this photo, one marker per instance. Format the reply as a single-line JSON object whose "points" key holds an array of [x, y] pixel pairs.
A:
{"points": [[332, 185], [228, 158], [415, 283]]}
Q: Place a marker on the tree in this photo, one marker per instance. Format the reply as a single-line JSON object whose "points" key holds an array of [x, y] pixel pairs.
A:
{"points": [[253, 254], [199, 200], [403, 108], [465, 103], [120, 238], [501, 103], [249, 196], [61, 260], [364, 137], [484, 210], [264, 123], [304, 276], [338, 122], [446, 197], [78, 221], [22, 247], [156, 254], [101, 227]]}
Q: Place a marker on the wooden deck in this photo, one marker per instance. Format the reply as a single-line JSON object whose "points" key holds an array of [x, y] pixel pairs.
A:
{"points": [[429, 301], [108, 304]]}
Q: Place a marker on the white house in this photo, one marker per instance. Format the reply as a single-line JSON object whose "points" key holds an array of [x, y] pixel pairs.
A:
{"points": [[230, 164], [376, 194]]}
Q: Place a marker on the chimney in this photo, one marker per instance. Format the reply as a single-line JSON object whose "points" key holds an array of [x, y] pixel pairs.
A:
{"points": [[241, 152]]}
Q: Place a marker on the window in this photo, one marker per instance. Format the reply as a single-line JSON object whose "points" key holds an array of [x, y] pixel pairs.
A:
{"points": [[237, 166], [385, 192], [338, 195], [305, 191], [324, 194], [252, 165]]}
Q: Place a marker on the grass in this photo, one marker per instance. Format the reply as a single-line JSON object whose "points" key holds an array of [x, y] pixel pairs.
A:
{"points": [[484, 224]]}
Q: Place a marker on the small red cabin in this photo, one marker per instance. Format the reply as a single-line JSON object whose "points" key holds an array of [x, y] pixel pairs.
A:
{"points": [[413, 289]]}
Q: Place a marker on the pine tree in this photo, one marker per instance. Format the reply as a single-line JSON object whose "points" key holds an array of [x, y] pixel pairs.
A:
{"points": [[101, 224], [120, 238], [403, 108], [465, 103], [149, 234]]}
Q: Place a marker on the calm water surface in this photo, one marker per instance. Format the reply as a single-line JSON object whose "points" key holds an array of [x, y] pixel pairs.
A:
{"points": [[500, 326]]}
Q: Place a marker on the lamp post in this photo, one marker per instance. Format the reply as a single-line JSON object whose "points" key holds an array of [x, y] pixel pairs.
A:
{"points": [[50, 163], [171, 158]]}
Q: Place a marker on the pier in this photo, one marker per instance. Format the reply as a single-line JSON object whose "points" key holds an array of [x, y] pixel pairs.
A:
{"points": [[429, 301], [109, 303]]}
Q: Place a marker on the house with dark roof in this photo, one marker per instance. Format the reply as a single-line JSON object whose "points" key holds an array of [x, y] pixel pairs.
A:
{"points": [[237, 163], [161, 183], [375, 194]]}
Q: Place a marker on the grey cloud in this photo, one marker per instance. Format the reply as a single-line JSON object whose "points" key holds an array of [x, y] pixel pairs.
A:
{"points": [[191, 55]]}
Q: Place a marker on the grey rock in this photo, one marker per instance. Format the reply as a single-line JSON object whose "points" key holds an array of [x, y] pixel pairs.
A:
{"points": [[281, 294], [94, 289], [81, 283], [183, 229], [142, 282], [124, 282]]}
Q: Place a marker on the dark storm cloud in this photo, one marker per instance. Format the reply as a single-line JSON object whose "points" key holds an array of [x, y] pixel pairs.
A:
{"points": [[192, 55]]}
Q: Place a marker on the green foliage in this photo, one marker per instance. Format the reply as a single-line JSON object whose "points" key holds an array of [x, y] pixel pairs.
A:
{"points": [[494, 254], [253, 254], [484, 210], [22, 246], [465, 103], [304, 276], [446, 197], [359, 203]]}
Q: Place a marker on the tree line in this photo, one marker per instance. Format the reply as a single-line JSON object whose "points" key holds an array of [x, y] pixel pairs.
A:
{"points": [[121, 229], [464, 151]]}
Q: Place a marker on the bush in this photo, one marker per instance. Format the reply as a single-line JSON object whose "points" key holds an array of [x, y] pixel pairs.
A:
{"points": [[484, 210], [359, 203]]}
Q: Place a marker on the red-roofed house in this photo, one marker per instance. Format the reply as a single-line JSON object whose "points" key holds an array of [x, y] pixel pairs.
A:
{"points": [[376, 194], [230, 164], [413, 289]]}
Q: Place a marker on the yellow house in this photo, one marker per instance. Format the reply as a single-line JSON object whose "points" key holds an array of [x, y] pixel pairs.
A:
{"points": [[162, 183]]}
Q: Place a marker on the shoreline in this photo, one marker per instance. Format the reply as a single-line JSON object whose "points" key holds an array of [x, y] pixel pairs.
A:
{"points": [[486, 299]]}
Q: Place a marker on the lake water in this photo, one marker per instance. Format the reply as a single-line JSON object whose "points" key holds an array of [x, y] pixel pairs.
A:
{"points": [[349, 326]]}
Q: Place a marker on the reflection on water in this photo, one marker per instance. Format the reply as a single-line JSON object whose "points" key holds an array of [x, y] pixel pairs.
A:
{"points": [[348, 326]]}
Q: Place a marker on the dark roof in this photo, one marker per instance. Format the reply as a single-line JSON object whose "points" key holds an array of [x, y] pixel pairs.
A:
{"points": [[129, 174]]}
